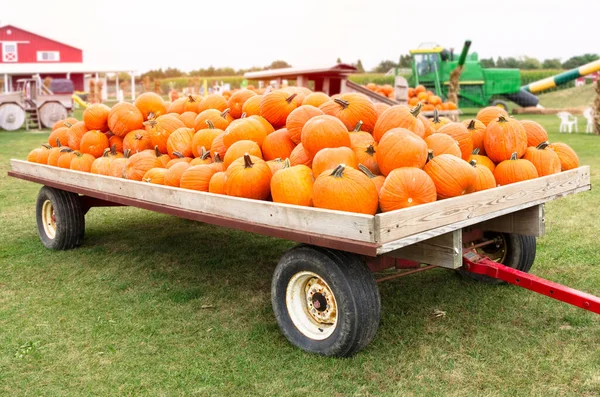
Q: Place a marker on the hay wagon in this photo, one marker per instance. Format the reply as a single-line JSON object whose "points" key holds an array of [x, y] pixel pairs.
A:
{"points": [[324, 294]]}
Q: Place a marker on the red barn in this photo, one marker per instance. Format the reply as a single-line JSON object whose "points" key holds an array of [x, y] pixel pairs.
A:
{"points": [[24, 54]]}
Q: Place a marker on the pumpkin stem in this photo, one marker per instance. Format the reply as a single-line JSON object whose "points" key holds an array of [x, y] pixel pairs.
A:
{"points": [[225, 113], [289, 99], [138, 136], [436, 116], [179, 155], [157, 152], [473, 162], [502, 119], [248, 161], [358, 126], [58, 143], [150, 123], [217, 158], [66, 150], [338, 172], [366, 171], [475, 151], [416, 110], [205, 153], [67, 124], [471, 125], [191, 98], [542, 145], [105, 152], [113, 150], [126, 153], [78, 154], [286, 163], [514, 156], [342, 102], [210, 124], [429, 155], [370, 150], [45, 145], [150, 115], [243, 116]]}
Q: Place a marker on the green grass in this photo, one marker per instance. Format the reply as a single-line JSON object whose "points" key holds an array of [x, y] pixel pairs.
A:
{"points": [[570, 97], [157, 305]]}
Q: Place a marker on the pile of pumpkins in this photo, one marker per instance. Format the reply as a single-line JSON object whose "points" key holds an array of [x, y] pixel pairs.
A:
{"points": [[304, 148], [429, 101]]}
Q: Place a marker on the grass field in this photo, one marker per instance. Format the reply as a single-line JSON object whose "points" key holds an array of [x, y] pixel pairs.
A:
{"points": [[571, 97], [157, 305]]}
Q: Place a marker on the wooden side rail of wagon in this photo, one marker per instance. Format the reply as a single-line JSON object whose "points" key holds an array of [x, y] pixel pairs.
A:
{"points": [[324, 295]]}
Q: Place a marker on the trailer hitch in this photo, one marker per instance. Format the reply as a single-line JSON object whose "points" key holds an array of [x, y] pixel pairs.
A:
{"points": [[478, 264]]}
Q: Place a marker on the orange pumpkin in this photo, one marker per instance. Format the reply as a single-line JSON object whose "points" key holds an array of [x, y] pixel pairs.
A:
{"points": [[137, 141], [252, 106], [275, 165], [451, 175], [217, 183], [161, 128], [460, 134], [299, 156], [567, 156], [399, 116], [116, 142], [238, 149], [95, 117], [93, 142], [297, 118], [151, 105], [82, 162], [376, 179], [181, 141], [482, 160], [75, 133], [292, 185], [438, 122], [276, 106], [245, 129], [212, 101], [504, 137], [101, 165], [187, 104], [544, 159], [174, 173], [490, 113], [329, 158], [345, 189], [277, 145], [323, 132], [406, 187], [155, 175], [197, 177], [485, 178], [64, 123], [218, 147], [203, 158], [54, 154], [315, 99], [125, 117], [351, 108], [380, 108], [365, 151], [536, 134], [204, 138], [237, 100], [400, 147], [477, 130], [219, 120], [60, 134], [39, 155], [117, 165], [514, 170], [139, 163], [64, 160], [443, 144], [248, 177], [188, 119], [180, 158]]}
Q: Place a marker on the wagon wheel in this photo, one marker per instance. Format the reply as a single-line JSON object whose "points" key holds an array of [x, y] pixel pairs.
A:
{"points": [[12, 116], [325, 301], [51, 112], [512, 250], [60, 219]]}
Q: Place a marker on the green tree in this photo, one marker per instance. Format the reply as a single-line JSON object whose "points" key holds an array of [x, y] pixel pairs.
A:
{"points": [[500, 63], [339, 60], [511, 63], [385, 66], [359, 66], [530, 63], [579, 60], [405, 61], [553, 63], [278, 65], [487, 63]]}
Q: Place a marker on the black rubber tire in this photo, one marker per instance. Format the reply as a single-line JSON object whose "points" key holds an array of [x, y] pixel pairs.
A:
{"points": [[520, 255], [500, 103], [70, 219], [355, 291]]}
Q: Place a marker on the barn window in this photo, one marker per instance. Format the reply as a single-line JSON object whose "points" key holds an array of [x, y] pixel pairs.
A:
{"points": [[48, 56], [9, 52]]}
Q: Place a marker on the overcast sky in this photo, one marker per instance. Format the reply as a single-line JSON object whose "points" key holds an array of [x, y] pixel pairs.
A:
{"points": [[194, 34]]}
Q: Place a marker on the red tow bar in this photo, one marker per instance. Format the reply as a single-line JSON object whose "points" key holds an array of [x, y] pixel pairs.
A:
{"points": [[478, 264]]}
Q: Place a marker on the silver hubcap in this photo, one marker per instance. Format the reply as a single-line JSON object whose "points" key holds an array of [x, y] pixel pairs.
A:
{"points": [[49, 219], [311, 305]]}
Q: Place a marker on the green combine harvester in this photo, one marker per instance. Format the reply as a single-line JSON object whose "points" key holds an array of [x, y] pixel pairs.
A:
{"points": [[480, 87]]}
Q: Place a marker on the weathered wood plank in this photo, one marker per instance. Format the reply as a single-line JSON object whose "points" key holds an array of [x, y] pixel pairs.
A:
{"points": [[444, 251], [415, 224], [307, 219], [529, 222]]}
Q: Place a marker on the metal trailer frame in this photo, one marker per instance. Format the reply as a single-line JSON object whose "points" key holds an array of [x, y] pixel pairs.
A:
{"points": [[448, 233]]}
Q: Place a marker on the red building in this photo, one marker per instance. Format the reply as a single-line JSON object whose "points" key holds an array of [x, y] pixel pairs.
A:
{"points": [[24, 54]]}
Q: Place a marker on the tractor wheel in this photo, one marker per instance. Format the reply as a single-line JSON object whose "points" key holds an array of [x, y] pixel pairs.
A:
{"points": [[325, 301], [12, 116], [512, 250], [60, 219], [500, 103], [51, 112]]}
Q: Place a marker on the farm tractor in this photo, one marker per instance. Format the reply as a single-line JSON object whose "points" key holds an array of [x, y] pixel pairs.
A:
{"points": [[36, 105]]}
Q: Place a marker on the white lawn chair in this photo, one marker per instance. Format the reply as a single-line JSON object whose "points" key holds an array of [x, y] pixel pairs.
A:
{"points": [[567, 121], [589, 115]]}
